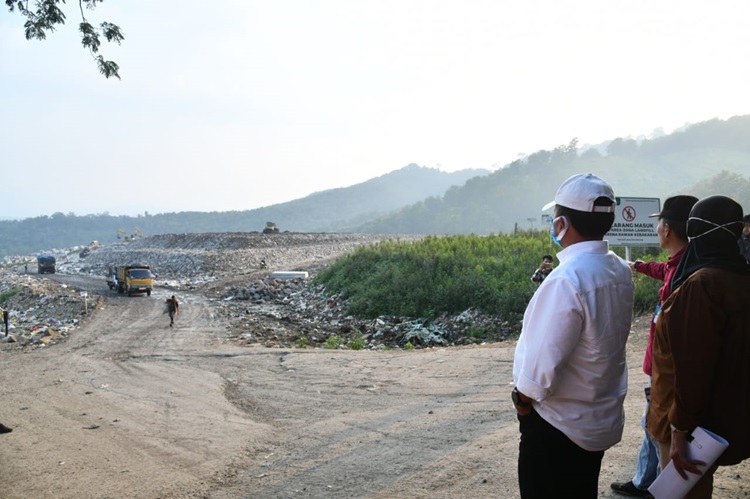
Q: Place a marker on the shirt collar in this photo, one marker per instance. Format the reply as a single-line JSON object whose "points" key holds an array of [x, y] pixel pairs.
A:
{"points": [[583, 247], [674, 260]]}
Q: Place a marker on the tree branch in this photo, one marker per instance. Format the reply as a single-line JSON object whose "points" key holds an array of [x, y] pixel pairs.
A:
{"points": [[47, 16]]}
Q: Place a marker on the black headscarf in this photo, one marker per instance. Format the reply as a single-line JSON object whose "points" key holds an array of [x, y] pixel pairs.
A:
{"points": [[713, 228]]}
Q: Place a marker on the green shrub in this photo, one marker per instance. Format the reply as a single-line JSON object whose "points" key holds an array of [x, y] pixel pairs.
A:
{"points": [[358, 342], [438, 275], [646, 293], [333, 343], [447, 275], [9, 294], [647, 288], [475, 332]]}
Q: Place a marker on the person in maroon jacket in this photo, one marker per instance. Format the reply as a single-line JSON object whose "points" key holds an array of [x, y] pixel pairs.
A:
{"points": [[672, 237]]}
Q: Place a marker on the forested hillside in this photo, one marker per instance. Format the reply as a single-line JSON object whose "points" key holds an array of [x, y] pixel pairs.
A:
{"points": [[712, 157], [327, 211]]}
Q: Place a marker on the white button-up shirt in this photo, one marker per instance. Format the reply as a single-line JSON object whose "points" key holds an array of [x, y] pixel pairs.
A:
{"points": [[570, 357]]}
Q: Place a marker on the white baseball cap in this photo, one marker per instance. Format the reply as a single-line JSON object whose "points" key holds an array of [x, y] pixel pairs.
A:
{"points": [[580, 191]]}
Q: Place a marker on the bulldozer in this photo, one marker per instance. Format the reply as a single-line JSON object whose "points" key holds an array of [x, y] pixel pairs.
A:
{"points": [[270, 228]]}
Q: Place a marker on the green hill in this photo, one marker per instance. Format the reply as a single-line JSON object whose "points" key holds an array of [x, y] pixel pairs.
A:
{"points": [[326, 211], [707, 158], [711, 157]]}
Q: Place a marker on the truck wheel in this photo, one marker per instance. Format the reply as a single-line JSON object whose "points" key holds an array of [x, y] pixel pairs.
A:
{"points": [[148, 293]]}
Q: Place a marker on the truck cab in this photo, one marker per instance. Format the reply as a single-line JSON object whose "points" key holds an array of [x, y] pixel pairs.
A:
{"points": [[132, 279]]}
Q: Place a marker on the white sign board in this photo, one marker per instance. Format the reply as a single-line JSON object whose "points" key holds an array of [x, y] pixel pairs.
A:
{"points": [[632, 226]]}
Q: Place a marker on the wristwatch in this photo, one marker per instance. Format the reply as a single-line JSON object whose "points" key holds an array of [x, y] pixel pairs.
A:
{"points": [[676, 430], [515, 396]]}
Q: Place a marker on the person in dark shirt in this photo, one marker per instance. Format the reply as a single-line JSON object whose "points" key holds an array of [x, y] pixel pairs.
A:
{"points": [[173, 307], [544, 269]]}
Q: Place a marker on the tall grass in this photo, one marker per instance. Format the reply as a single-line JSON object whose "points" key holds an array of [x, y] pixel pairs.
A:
{"points": [[447, 275]]}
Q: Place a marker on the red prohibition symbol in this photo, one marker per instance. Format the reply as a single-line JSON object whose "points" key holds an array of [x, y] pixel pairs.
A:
{"points": [[628, 213]]}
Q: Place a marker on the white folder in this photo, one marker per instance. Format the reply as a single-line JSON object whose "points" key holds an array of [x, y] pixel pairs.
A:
{"points": [[705, 446]]}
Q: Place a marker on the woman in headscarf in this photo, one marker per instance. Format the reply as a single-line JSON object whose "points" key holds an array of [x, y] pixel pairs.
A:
{"points": [[701, 363]]}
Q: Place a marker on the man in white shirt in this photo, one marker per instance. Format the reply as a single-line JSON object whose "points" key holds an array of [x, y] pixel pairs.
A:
{"points": [[569, 366]]}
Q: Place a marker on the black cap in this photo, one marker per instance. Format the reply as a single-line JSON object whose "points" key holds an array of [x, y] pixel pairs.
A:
{"points": [[677, 208]]}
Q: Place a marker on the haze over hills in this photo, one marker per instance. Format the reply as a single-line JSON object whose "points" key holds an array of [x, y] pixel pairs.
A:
{"points": [[711, 157], [340, 209], [333, 210]]}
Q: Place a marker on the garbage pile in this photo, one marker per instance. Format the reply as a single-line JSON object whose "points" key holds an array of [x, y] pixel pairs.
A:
{"points": [[234, 271], [40, 312], [193, 260], [293, 313]]}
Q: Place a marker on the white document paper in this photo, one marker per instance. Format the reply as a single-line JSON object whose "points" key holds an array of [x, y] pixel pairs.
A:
{"points": [[705, 446]]}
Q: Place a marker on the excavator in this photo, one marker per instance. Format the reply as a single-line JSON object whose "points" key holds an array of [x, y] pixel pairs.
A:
{"points": [[137, 232], [88, 249]]}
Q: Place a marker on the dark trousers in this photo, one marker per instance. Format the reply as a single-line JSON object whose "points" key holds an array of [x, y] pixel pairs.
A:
{"points": [[551, 465]]}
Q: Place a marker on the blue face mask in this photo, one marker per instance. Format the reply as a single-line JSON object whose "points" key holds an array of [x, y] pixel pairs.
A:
{"points": [[558, 238]]}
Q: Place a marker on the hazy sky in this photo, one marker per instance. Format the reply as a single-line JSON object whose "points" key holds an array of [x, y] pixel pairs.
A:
{"points": [[238, 104]]}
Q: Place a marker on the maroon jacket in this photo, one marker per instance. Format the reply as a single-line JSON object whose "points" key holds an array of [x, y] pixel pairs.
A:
{"points": [[663, 271]]}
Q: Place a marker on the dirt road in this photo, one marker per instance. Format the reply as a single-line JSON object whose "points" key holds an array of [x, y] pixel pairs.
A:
{"points": [[130, 408]]}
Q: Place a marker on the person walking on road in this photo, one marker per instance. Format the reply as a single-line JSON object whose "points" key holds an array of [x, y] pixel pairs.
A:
{"points": [[173, 308]]}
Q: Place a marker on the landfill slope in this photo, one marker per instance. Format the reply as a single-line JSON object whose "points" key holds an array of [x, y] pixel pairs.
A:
{"points": [[121, 405]]}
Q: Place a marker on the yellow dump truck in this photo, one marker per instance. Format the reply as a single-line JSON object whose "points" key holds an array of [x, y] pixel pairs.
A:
{"points": [[132, 279]]}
